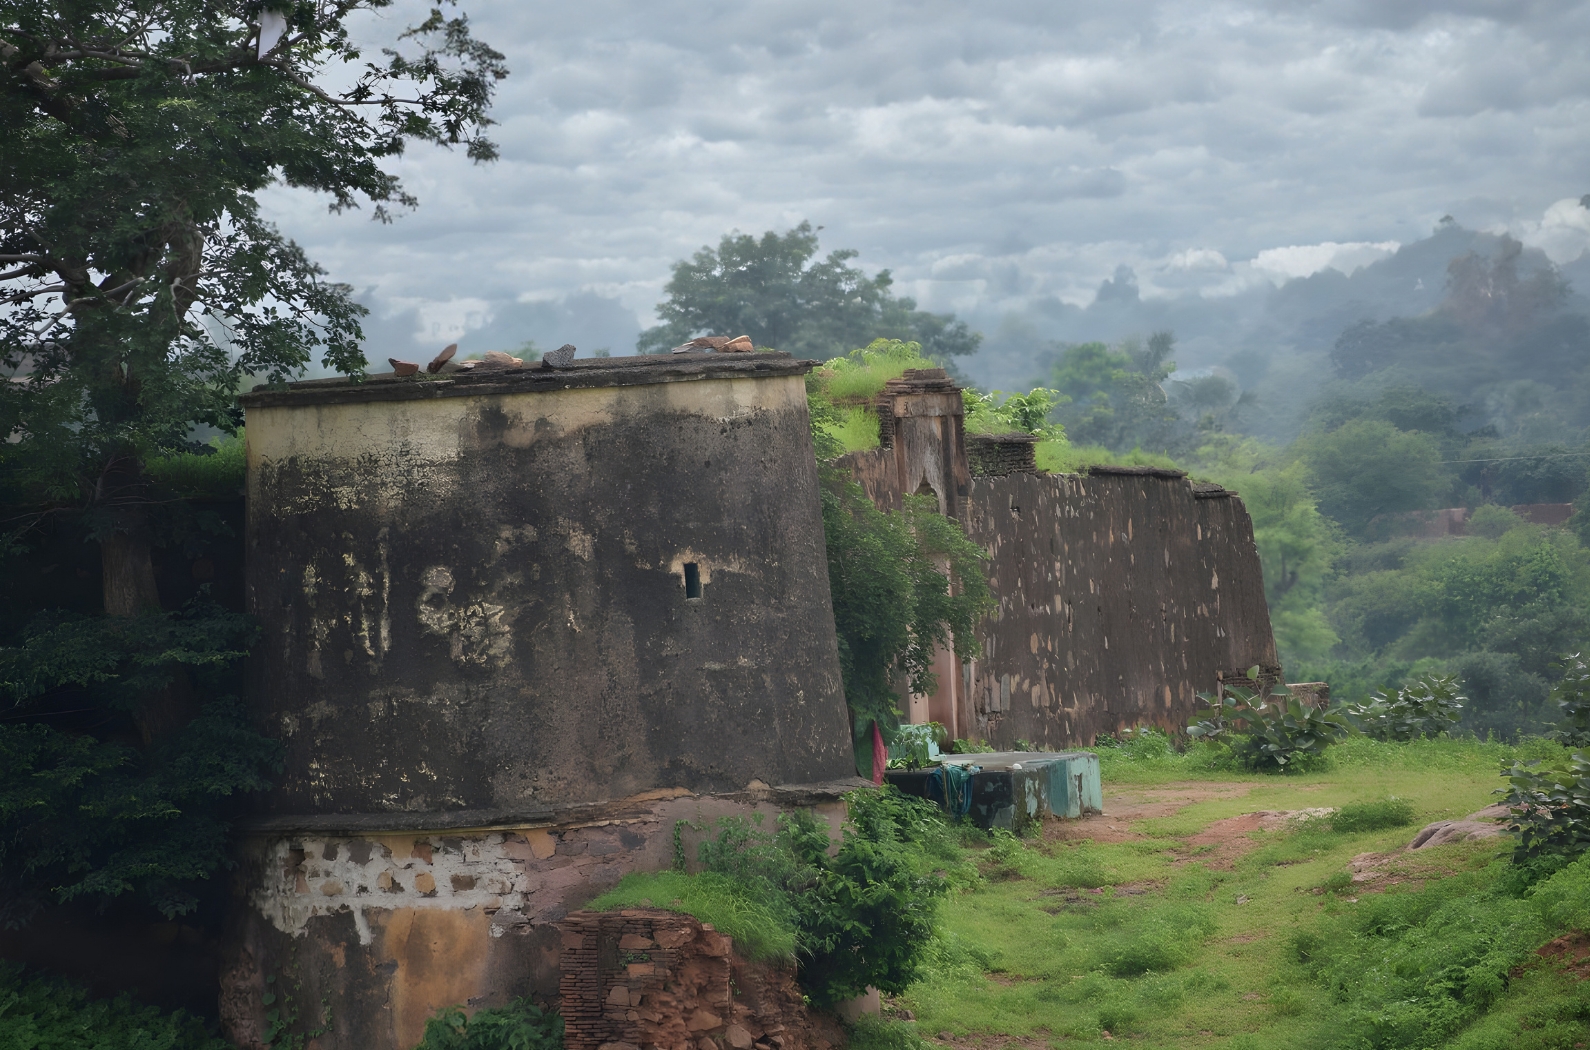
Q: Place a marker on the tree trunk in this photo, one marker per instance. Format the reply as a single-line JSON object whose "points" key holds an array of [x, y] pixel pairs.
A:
{"points": [[128, 574]]}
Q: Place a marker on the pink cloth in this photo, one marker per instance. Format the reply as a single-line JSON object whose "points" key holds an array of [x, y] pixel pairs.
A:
{"points": [[880, 755]]}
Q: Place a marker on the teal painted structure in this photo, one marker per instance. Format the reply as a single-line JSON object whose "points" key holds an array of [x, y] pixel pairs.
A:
{"points": [[1013, 788]]}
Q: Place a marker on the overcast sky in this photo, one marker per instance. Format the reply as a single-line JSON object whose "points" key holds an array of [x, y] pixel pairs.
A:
{"points": [[985, 153]]}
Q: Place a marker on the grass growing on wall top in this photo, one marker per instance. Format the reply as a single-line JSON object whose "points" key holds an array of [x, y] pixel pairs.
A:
{"points": [[760, 926], [1062, 457]]}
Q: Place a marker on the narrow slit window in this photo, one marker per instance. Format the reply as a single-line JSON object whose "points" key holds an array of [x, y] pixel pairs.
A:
{"points": [[692, 580]]}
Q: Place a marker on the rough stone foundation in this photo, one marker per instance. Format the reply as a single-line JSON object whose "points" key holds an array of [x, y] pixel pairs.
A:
{"points": [[652, 980]]}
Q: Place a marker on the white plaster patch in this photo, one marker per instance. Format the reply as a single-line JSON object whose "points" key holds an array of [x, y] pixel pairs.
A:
{"points": [[315, 876]]}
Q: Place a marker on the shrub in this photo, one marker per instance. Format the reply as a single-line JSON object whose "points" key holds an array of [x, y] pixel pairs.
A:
{"points": [[1372, 816], [42, 1012], [521, 1025], [1273, 735], [1551, 807], [1426, 708], [1572, 696], [866, 916]]}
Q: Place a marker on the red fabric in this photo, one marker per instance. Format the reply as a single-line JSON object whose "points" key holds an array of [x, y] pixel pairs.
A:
{"points": [[880, 755]]}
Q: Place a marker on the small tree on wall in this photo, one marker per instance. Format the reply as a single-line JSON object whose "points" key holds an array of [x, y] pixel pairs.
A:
{"points": [[904, 585]]}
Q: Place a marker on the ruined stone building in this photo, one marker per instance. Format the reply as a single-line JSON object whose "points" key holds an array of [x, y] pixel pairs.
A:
{"points": [[1122, 593], [517, 624]]}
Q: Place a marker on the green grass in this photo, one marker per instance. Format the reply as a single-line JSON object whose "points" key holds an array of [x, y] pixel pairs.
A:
{"points": [[759, 929], [857, 429], [1176, 945]]}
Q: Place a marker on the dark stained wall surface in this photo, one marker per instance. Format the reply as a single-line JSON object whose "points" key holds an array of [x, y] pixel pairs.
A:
{"points": [[477, 590], [1121, 596]]}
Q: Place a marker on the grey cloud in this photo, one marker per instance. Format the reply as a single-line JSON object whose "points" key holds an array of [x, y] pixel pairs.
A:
{"points": [[1040, 144]]}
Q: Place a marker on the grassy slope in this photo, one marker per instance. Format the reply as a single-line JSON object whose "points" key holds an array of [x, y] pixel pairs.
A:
{"points": [[1164, 952]]}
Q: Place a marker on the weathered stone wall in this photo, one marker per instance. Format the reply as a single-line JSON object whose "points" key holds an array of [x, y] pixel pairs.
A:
{"points": [[995, 455], [1121, 595], [480, 592], [643, 978], [516, 626]]}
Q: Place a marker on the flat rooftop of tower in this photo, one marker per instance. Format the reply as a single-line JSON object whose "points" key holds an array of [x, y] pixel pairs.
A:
{"points": [[530, 378]]}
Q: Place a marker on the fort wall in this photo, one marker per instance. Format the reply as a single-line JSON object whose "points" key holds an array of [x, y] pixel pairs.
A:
{"points": [[517, 624]]}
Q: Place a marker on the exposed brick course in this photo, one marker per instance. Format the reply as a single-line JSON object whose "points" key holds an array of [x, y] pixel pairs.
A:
{"points": [[641, 979]]}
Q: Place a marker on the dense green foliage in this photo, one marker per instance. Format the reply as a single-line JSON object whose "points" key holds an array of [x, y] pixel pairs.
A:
{"points": [[1572, 697], [38, 1013], [999, 413], [141, 284], [771, 290], [1426, 707], [1275, 734], [862, 917], [1114, 397], [521, 1025], [894, 607], [85, 810], [1551, 807]]}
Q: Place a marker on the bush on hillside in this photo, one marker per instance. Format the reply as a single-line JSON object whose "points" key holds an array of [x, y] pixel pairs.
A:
{"points": [[1425, 708], [1273, 735], [1551, 807], [1572, 697]]}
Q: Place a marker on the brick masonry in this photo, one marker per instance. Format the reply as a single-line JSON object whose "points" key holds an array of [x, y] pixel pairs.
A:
{"points": [[643, 979]]}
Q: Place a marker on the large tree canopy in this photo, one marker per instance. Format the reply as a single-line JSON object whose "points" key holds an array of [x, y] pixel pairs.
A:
{"points": [[138, 284], [773, 291]]}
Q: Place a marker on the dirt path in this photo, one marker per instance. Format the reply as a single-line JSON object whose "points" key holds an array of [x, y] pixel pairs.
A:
{"points": [[1125, 806]]}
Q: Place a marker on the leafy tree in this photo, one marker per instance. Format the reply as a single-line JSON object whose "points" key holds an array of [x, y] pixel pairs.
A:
{"points": [[140, 284], [1115, 396], [139, 288], [772, 290], [1296, 545], [1367, 468]]}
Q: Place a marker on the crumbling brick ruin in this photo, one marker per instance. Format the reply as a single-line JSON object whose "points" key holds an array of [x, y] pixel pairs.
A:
{"points": [[641, 979]]}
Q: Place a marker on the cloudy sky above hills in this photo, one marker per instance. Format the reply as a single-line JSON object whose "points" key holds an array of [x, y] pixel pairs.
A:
{"points": [[987, 154]]}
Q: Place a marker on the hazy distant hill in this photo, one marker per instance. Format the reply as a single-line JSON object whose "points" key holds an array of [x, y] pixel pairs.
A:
{"points": [[1276, 341]]}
